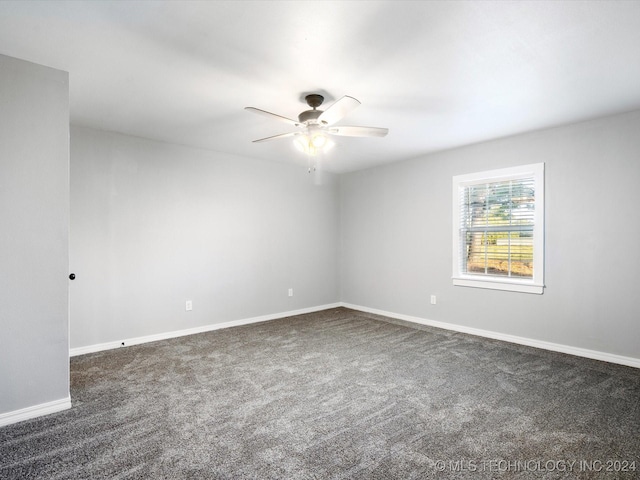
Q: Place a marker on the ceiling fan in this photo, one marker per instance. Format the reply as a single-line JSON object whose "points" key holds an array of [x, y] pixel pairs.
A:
{"points": [[315, 124]]}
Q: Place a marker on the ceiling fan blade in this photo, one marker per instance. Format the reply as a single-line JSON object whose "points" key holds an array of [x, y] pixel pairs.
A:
{"points": [[348, 131], [338, 110], [272, 115], [278, 137]]}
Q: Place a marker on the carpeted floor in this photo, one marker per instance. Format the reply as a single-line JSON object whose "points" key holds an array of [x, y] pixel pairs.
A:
{"points": [[337, 394]]}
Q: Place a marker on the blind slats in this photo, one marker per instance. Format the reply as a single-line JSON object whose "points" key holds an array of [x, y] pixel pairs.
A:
{"points": [[496, 226]]}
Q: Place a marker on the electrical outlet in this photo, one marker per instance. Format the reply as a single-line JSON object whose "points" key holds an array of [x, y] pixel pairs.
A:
{"points": [[291, 292], [433, 299], [188, 305]]}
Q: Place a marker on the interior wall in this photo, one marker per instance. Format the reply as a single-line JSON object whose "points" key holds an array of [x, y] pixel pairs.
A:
{"points": [[154, 225], [34, 212], [396, 245]]}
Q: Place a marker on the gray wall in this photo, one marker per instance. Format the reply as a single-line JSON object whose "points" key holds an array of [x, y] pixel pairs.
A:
{"points": [[396, 238], [155, 224], [34, 213]]}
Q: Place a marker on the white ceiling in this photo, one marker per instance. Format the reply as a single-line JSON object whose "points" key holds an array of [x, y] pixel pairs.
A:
{"points": [[437, 74]]}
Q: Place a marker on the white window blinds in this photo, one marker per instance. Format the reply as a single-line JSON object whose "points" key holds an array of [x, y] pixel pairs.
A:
{"points": [[498, 228]]}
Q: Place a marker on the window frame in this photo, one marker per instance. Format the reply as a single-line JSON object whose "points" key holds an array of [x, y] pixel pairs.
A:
{"points": [[533, 285]]}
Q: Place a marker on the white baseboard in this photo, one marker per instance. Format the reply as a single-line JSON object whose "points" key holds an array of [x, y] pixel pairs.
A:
{"points": [[191, 331], [555, 347], [35, 411]]}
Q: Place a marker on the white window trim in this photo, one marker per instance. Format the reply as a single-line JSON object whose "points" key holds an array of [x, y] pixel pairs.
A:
{"points": [[534, 285]]}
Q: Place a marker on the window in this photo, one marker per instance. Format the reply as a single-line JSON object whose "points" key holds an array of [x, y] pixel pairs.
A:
{"points": [[498, 229]]}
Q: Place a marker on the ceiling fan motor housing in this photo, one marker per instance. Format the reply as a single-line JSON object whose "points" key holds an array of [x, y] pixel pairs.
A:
{"points": [[309, 116]]}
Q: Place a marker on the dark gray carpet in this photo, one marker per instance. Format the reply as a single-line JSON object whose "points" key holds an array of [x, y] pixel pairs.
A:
{"points": [[334, 395]]}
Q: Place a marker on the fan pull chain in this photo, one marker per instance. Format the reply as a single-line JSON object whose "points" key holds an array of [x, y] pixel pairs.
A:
{"points": [[311, 166]]}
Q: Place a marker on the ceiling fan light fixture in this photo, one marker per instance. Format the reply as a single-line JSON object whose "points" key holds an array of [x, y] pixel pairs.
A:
{"points": [[313, 145], [329, 144], [301, 142], [319, 140]]}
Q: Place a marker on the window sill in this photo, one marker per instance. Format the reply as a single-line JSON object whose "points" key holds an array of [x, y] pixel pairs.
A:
{"points": [[499, 284]]}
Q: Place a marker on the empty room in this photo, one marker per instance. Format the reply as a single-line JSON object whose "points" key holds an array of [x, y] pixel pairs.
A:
{"points": [[319, 239]]}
